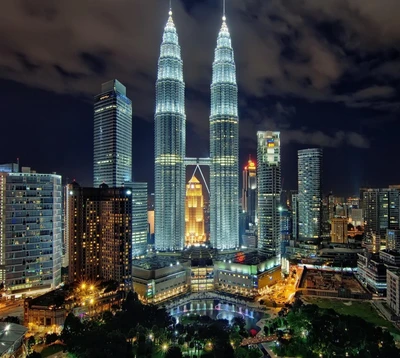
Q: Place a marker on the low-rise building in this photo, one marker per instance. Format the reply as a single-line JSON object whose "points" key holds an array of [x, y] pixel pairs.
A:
{"points": [[245, 274], [11, 340], [48, 311], [158, 278]]}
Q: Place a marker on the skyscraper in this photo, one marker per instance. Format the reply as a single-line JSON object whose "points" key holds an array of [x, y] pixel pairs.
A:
{"points": [[170, 144], [310, 192], [30, 230], [224, 146], [139, 218], [194, 214], [269, 192], [112, 135], [99, 228], [249, 192]]}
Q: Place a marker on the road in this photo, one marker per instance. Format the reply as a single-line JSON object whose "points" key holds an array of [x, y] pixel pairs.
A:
{"points": [[12, 308]]}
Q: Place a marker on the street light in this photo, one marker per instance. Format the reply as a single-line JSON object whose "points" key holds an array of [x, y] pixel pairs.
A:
{"points": [[165, 347]]}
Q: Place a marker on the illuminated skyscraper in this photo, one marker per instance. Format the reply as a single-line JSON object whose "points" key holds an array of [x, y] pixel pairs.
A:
{"points": [[269, 191], [310, 192], [194, 214], [30, 229], [249, 192], [170, 143], [224, 146], [112, 136], [98, 225], [139, 218]]}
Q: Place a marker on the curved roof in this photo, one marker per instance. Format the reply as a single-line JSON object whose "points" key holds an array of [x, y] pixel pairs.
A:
{"points": [[10, 334]]}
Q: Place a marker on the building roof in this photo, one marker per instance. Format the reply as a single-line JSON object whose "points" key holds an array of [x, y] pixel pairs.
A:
{"points": [[157, 262], [10, 333]]}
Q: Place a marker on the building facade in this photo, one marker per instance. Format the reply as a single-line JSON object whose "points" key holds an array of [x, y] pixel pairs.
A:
{"points": [[194, 213], [339, 230], [393, 290], [112, 150], [224, 146], [381, 208], [140, 220], [99, 229], [310, 192], [170, 144], [249, 193], [30, 230], [269, 191]]}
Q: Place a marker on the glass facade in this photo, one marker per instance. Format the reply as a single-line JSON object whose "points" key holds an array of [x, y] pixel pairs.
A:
{"points": [[140, 223], [30, 231], [310, 192], [112, 136], [224, 147], [170, 144], [269, 192]]}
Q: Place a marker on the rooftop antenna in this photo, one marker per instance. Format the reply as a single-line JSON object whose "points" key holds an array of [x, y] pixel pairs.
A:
{"points": [[223, 10]]}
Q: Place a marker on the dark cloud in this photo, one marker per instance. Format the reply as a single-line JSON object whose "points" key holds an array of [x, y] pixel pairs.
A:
{"points": [[342, 53]]}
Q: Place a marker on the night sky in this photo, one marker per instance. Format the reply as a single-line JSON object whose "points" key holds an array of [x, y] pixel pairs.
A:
{"points": [[326, 73]]}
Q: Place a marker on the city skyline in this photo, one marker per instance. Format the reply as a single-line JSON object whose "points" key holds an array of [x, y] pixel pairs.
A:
{"points": [[312, 105]]}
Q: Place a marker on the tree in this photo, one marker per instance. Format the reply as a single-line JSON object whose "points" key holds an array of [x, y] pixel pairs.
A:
{"points": [[51, 338], [174, 352], [34, 355]]}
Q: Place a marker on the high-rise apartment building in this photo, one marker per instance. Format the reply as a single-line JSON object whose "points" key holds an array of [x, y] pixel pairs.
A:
{"points": [[249, 193], [30, 229], [310, 192], [99, 229], [170, 144], [112, 136], [224, 146], [194, 214], [269, 191], [381, 208]]}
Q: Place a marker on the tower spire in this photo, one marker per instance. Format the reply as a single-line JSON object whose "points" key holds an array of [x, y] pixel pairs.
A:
{"points": [[170, 7], [223, 10]]}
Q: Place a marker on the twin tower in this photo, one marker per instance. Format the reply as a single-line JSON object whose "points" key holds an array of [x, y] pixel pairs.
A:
{"points": [[170, 146]]}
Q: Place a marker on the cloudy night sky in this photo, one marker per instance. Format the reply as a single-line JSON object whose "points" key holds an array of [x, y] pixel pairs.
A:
{"points": [[326, 73]]}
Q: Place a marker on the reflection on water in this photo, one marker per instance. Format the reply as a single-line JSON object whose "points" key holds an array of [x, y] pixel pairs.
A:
{"points": [[218, 310]]}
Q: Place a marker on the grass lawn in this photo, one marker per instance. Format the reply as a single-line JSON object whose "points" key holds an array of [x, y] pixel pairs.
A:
{"points": [[53, 349], [360, 309]]}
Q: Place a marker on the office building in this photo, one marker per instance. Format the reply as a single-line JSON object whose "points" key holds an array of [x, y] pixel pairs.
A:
{"points": [[112, 148], [339, 230], [269, 191], [295, 216], [224, 146], [170, 144], [30, 230], [310, 192], [194, 213], [99, 228], [140, 221], [249, 193]]}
